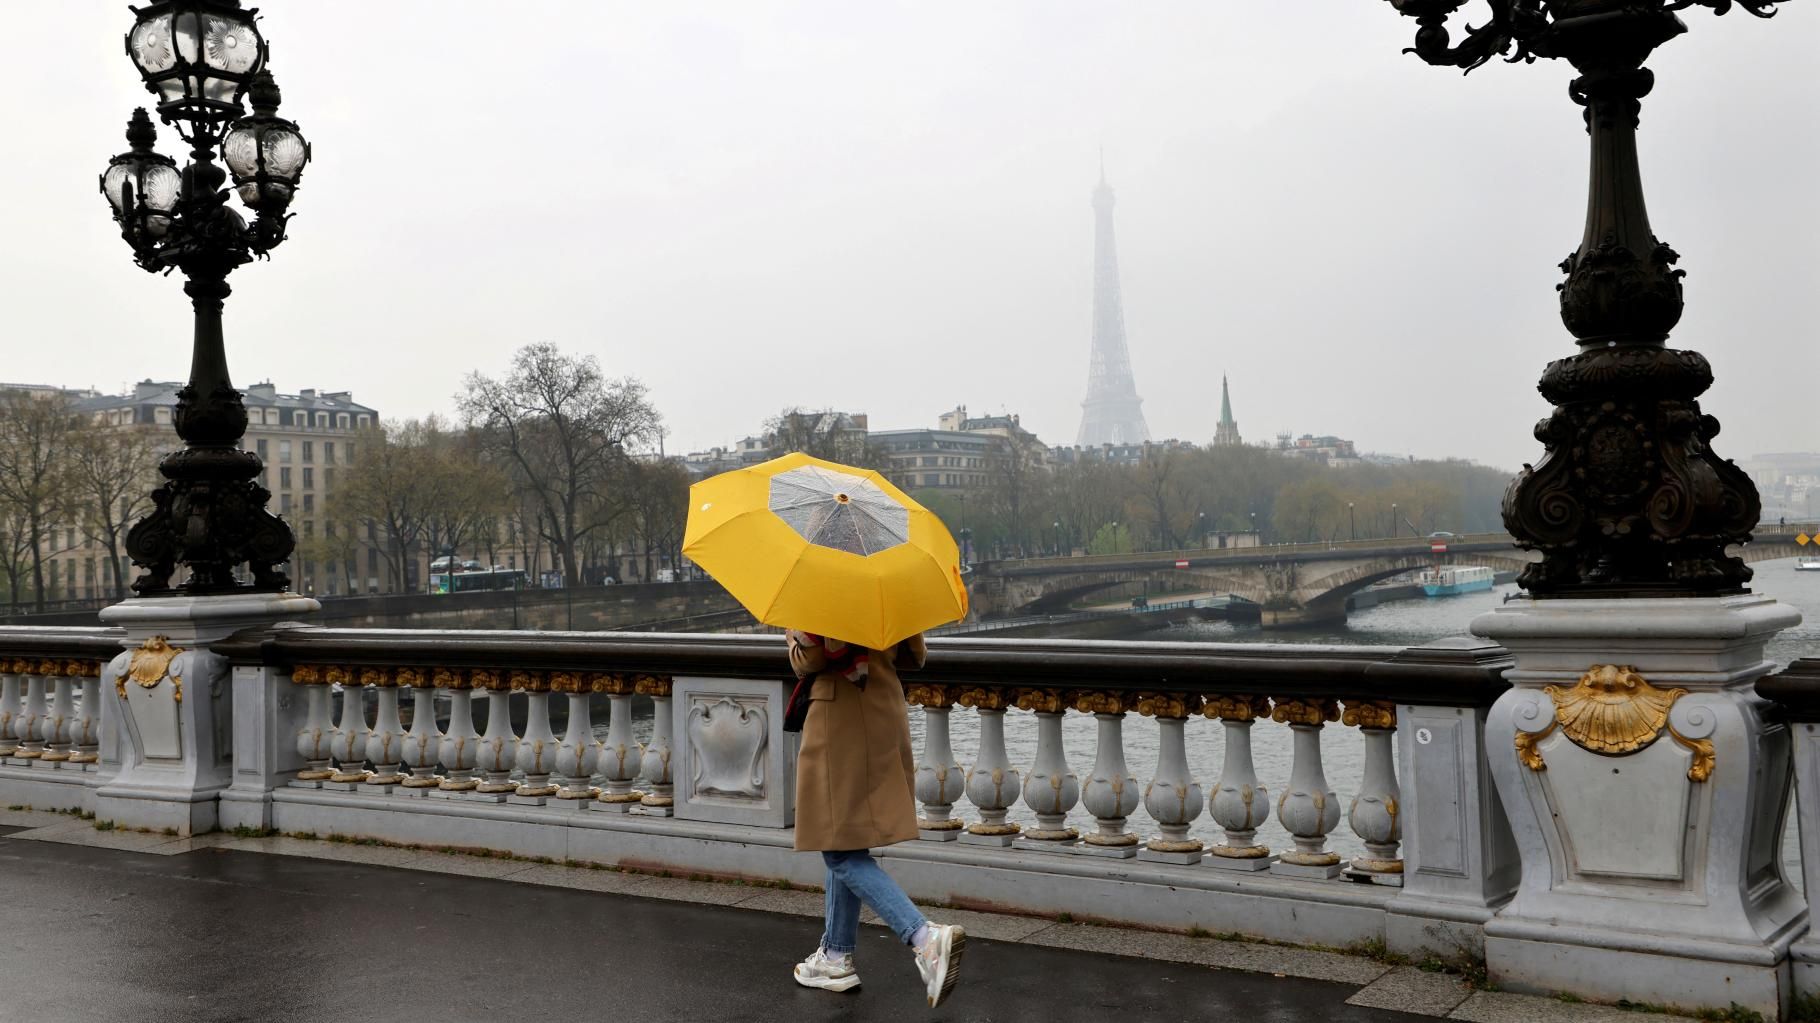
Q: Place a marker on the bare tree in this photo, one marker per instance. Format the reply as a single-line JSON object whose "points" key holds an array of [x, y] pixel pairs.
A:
{"points": [[827, 434], [112, 472], [659, 510], [566, 430], [391, 487], [34, 432]]}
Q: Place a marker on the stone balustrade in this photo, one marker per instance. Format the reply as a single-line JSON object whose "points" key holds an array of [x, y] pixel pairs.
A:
{"points": [[527, 743]]}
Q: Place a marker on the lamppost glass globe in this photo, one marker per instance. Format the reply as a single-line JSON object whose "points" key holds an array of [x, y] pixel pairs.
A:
{"points": [[141, 185], [265, 152], [197, 56]]}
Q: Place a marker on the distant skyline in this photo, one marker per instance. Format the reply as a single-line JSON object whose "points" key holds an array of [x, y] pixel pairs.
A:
{"points": [[887, 208]]}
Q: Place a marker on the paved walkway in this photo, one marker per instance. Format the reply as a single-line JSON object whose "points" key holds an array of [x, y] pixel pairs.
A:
{"points": [[124, 925]]}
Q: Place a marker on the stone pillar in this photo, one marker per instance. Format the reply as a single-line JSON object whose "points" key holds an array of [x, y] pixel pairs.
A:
{"points": [[423, 742], [1309, 810], [317, 733], [12, 679], [270, 715], [660, 800], [620, 756], [537, 746], [578, 754], [385, 743], [1240, 803], [1376, 812], [1112, 790], [992, 783], [939, 778], [1173, 797], [735, 764], [1459, 862], [172, 697], [85, 729], [1050, 789], [460, 746], [1646, 786]]}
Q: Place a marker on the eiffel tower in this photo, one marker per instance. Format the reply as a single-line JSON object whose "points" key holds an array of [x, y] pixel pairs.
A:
{"points": [[1113, 413]]}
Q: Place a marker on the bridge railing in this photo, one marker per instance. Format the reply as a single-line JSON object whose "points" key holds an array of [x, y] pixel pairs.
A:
{"points": [[1211, 554], [375, 733]]}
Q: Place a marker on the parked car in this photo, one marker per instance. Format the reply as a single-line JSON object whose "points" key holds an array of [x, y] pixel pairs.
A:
{"points": [[1439, 534]]}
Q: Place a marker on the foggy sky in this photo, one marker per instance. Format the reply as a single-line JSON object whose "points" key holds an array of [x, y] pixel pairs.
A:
{"points": [[884, 207]]}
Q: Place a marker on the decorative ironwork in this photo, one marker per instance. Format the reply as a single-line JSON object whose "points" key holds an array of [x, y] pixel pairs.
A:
{"points": [[200, 57], [1629, 498]]}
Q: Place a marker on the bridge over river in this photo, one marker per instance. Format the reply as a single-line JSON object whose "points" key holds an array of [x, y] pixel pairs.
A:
{"points": [[1293, 584]]}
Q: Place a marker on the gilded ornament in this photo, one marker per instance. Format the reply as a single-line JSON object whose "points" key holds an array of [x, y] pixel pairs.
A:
{"points": [[984, 698], [529, 681], [1305, 712], [606, 682], [338, 675], [925, 694], [1702, 749], [151, 661], [1369, 714], [53, 669], [306, 675], [1612, 709], [565, 682], [446, 678], [1237, 708], [76, 669], [1043, 701], [652, 685], [370, 676], [1167, 705], [484, 678], [1100, 701], [1526, 747], [412, 677]]}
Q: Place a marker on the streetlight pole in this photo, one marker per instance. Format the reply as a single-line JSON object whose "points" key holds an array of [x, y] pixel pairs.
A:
{"points": [[1629, 497], [1396, 524], [1353, 519], [201, 57]]}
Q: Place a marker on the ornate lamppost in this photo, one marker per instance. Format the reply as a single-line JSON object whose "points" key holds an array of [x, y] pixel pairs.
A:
{"points": [[1640, 779], [1629, 497], [200, 57]]}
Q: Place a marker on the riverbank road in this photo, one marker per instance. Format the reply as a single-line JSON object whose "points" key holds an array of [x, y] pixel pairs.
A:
{"points": [[125, 925]]}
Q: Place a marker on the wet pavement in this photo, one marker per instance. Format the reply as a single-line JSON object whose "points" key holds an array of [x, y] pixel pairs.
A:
{"points": [[224, 935]]}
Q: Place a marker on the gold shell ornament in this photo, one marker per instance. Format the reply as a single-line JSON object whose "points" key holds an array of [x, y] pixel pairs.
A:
{"points": [[148, 667], [1612, 709]]}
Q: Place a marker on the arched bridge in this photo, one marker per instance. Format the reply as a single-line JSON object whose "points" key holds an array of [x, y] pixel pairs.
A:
{"points": [[1294, 584]]}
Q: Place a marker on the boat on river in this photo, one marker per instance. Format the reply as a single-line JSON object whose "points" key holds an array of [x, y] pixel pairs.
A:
{"points": [[1808, 563], [1448, 580]]}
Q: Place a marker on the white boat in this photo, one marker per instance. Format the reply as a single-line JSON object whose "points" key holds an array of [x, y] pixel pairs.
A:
{"points": [[1808, 563], [1447, 580]]}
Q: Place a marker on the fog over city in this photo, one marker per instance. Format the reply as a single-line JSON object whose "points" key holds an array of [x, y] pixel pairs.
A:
{"points": [[885, 208]]}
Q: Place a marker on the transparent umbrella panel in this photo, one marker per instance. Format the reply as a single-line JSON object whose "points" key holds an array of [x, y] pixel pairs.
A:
{"points": [[839, 510]]}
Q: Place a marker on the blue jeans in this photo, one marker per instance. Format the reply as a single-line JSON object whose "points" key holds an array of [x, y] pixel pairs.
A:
{"points": [[855, 877]]}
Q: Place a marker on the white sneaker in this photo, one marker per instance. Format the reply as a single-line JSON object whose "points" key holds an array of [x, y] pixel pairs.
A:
{"points": [[827, 971], [939, 960]]}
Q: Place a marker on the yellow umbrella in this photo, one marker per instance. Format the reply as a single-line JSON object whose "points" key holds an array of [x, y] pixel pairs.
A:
{"points": [[826, 548]]}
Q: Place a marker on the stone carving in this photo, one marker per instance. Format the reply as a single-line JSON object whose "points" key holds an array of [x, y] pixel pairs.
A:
{"points": [[728, 741], [1612, 709], [148, 667]]}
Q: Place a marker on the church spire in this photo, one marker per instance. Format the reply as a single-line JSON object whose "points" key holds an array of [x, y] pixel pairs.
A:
{"points": [[1226, 435]]}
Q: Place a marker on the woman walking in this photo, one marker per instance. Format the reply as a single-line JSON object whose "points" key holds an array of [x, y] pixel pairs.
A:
{"points": [[855, 784]]}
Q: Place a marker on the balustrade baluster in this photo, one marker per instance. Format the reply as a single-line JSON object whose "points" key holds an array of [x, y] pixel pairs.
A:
{"points": [[316, 739], [1374, 812], [620, 758], [1051, 789], [1239, 802], [498, 751], [992, 783], [1173, 797], [1308, 809], [85, 727], [1112, 791], [423, 742], [28, 726], [12, 676], [56, 725], [660, 800], [939, 780], [349, 744], [537, 747], [385, 745], [579, 752], [460, 745]]}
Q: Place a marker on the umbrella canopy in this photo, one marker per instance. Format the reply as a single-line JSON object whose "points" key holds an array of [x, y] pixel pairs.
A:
{"points": [[826, 548]]}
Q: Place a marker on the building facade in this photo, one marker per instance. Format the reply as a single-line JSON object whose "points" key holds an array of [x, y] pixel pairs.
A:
{"points": [[962, 452], [304, 439]]}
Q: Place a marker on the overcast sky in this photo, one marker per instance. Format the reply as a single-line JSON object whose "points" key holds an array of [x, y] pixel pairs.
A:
{"points": [[884, 207]]}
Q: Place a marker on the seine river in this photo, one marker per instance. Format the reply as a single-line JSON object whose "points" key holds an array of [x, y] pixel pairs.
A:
{"points": [[1400, 623]]}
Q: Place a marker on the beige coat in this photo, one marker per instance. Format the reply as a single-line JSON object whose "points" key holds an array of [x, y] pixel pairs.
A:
{"points": [[855, 775]]}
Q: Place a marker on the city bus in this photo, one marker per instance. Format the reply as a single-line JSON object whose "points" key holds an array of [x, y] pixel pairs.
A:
{"points": [[477, 579]]}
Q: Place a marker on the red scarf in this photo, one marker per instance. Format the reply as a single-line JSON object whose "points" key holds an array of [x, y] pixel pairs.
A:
{"points": [[852, 663]]}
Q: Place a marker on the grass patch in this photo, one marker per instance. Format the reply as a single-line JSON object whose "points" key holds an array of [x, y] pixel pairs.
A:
{"points": [[1805, 1008], [1734, 1013], [104, 825], [1064, 918], [242, 831]]}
